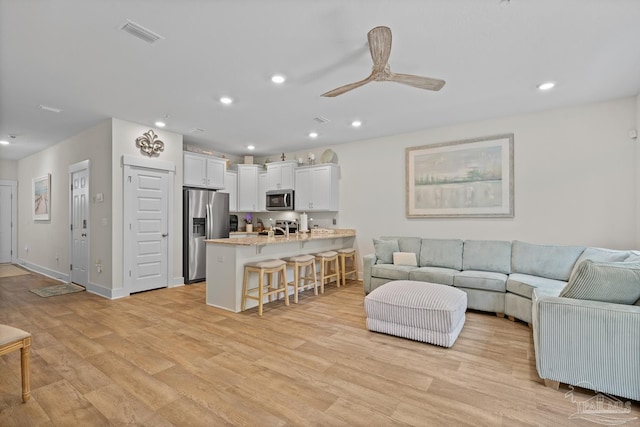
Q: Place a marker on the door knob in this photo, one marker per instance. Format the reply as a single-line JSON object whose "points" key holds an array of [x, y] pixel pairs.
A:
{"points": [[165, 234]]}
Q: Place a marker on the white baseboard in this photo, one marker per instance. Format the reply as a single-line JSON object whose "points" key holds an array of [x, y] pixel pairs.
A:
{"points": [[56, 275], [176, 281]]}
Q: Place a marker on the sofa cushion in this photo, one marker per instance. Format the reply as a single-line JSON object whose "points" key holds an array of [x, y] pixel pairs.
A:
{"points": [[486, 280], [385, 249], [524, 284], [601, 255], [552, 262], [390, 271], [634, 257], [615, 282], [407, 244], [446, 253], [443, 276], [405, 258], [487, 255]]}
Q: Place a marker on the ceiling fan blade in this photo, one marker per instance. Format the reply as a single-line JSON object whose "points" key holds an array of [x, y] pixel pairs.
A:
{"points": [[427, 83], [380, 45], [347, 88]]}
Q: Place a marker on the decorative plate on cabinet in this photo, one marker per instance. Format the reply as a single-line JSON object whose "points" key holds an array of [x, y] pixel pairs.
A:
{"points": [[329, 156]]}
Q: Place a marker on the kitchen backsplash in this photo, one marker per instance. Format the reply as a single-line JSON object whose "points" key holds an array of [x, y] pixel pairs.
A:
{"points": [[315, 219]]}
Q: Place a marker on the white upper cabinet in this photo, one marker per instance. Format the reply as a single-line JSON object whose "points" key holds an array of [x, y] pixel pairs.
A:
{"points": [[231, 187], [203, 171], [248, 188], [280, 175], [262, 191], [317, 188]]}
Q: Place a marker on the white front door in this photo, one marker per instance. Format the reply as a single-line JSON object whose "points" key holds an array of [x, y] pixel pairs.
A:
{"points": [[6, 222], [80, 227], [146, 229]]}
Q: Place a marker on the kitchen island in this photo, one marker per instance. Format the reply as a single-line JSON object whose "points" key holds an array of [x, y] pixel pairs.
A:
{"points": [[226, 259]]}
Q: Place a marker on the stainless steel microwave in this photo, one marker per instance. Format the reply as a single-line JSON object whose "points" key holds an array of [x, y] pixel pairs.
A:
{"points": [[280, 200]]}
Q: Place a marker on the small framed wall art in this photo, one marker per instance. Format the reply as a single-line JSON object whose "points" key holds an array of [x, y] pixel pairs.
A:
{"points": [[41, 190]]}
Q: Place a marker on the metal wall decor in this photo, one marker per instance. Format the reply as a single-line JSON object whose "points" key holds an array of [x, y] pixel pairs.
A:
{"points": [[149, 144]]}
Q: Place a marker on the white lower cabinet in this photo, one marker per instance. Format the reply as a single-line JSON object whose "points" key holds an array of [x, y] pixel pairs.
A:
{"points": [[317, 188]]}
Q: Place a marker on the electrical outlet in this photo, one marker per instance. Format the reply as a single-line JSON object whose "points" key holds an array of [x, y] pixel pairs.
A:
{"points": [[335, 221]]}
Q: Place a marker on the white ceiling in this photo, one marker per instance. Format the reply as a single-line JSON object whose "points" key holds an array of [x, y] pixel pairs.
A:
{"points": [[72, 55]]}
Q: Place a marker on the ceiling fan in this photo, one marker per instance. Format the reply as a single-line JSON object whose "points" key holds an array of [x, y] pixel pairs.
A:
{"points": [[380, 48]]}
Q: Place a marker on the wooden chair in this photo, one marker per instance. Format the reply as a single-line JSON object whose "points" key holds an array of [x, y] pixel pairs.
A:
{"points": [[13, 339], [309, 278], [269, 267], [328, 268], [344, 255]]}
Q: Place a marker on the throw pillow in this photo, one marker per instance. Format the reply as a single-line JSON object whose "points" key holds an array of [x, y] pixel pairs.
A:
{"points": [[405, 258], [616, 282], [385, 249]]}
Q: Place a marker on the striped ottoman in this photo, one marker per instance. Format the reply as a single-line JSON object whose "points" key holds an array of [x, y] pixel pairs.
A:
{"points": [[420, 311]]}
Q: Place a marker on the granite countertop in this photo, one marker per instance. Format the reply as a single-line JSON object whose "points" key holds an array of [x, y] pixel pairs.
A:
{"points": [[293, 238]]}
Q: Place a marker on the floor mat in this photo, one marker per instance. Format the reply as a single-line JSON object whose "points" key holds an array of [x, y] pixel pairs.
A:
{"points": [[10, 270], [52, 291]]}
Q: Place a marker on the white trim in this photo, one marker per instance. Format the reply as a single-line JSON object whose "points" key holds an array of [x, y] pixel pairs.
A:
{"points": [[14, 217], [141, 162], [78, 167], [57, 275], [107, 293], [176, 281]]}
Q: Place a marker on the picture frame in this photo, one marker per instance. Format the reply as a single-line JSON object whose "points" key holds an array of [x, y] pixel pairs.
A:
{"points": [[41, 194], [471, 178]]}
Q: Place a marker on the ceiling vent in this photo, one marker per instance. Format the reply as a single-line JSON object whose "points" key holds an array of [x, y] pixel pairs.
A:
{"points": [[141, 32], [321, 119]]}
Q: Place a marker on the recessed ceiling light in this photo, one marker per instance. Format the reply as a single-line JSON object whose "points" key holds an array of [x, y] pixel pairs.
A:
{"points": [[278, 78], [546, 85], [160, 124], [3, 142], [356, 123], [226, 100], [313, 134], [251, 147]]}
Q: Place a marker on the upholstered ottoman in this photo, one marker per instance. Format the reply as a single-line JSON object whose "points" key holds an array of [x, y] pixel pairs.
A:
{"points": [[420, 311]]}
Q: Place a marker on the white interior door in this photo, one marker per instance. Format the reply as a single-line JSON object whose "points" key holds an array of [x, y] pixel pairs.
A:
{"points": [[146, 229], [6, 222], [80, 227]]}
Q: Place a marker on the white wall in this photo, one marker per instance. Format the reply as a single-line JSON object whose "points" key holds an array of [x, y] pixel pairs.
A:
{"points": [[637, 180], [575, 180], [48, 241], [124, 137], [9, 169]]}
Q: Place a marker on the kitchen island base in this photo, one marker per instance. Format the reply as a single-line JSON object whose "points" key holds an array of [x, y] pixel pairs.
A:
{"points": [[226, 259]]}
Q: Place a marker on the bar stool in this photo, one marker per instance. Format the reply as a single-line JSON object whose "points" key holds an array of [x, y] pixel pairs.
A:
{"points": [[13, 339], [328, 268], [269, 267], [343, 256], [309, 278]]}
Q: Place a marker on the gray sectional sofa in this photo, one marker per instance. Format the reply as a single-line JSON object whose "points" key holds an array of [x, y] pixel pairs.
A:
{"points": [[583, 303]]}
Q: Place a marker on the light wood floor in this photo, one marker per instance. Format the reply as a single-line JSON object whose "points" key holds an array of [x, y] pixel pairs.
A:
{"points": [[164, 358]]}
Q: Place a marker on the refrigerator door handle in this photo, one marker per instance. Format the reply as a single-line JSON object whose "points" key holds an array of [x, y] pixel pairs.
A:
{"points": [[207, 225]]}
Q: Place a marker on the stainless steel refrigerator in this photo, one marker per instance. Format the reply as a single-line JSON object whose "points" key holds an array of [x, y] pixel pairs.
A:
{"points": [[206, 216]]}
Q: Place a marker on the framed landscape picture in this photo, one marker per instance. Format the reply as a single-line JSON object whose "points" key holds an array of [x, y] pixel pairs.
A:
{"points": [[42, 198], [469, 178]]}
